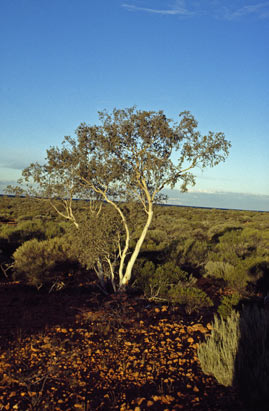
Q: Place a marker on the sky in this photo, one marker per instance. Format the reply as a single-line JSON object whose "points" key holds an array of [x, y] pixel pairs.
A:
{"points": [[62, 61]]}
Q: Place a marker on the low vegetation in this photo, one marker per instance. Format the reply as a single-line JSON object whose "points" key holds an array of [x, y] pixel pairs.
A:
{"points": [[237, 353], [109, 300], [194, 264]]}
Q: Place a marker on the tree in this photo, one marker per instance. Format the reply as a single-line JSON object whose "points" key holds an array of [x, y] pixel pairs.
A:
{"points": [[126, 158]]}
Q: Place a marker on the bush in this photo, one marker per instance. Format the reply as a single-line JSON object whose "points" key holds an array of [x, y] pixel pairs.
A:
{"points": [[235, 276], [156, 282], [194, 253], [219, 269], [165, 277], [192, 298], [142, 272], [227, 303], [97, 237], [237, 352], [217, 231], [41, 262], [24, 231], [218, 354], [53, 229]]}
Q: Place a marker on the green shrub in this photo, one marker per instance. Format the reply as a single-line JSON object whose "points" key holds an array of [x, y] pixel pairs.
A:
{"points": [[143, 270], [218, 354], [236, 276], [156, 282], [53, 229], [165, 277], [227, 303], [193, 298], [217, 231], [24, 231], [97, 239], [219, 269], [194, 252], [237, 352], [41, 262]]}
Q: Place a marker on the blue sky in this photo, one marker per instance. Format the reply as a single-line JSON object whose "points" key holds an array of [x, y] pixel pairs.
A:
{"points": [[63, 60]]}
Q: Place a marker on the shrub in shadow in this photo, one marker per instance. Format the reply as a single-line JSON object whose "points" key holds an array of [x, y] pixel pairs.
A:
{"points": [[157, 281], [193, 298], [259, 273], [227, 304]]}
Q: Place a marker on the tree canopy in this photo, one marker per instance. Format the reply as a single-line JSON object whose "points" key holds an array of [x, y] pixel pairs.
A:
{"points": [[129, 157]]}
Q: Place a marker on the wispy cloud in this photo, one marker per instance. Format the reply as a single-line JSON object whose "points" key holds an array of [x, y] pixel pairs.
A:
{"points": [[260, 10], [213, 8], [178, 8]]}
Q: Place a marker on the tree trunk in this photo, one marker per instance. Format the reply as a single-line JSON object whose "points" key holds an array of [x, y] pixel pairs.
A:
{"points": [[128, 272]]}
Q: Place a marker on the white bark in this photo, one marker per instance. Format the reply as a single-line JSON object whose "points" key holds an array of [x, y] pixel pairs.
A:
{"points": [[128, 272]]}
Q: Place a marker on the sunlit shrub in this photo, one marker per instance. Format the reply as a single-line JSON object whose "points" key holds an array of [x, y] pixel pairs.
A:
{"points": [[237, 353], [235, 245], [218, 354], [194, 252], [41, 262], [53, 229], [155, 240], [217, 231], [193, 298], [243, 271], [24, 231], [236, 276]]}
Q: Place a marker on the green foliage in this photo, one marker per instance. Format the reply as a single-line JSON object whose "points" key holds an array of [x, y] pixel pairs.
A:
{"points": [[227, 303], [53, 229], [43, 262], [218, 354], [195, 252], [234, 275], [23, 231], [239, 274], [237, 352], [237, 245], [143, 271], [165, 277], [222, 244], [217, 231], [157, 281], [28, 229], [127, 157], [219, 269], [156, 240], [193, 298], [97, 238]]}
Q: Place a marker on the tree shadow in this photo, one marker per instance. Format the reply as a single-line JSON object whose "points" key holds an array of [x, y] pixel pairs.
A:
{"points": [[251, 366], [26, 311]]}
